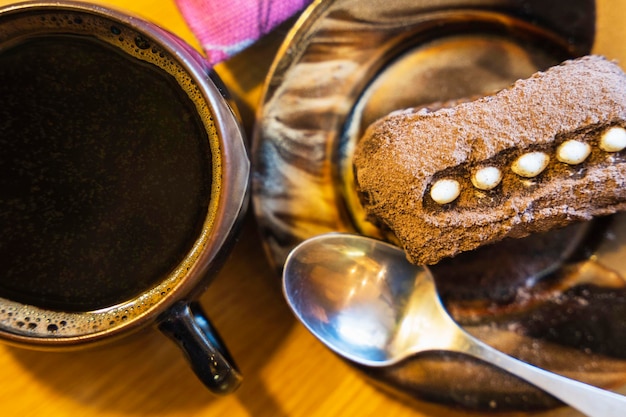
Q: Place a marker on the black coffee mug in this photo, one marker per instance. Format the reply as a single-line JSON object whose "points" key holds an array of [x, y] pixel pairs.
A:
{"points": [[123, 178]]}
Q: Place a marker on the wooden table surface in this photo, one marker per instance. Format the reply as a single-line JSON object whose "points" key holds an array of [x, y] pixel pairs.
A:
{"points": [[287, 372]]}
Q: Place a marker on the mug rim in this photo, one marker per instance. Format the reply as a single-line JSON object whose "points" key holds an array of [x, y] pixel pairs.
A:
{"points": [[231, 167]]}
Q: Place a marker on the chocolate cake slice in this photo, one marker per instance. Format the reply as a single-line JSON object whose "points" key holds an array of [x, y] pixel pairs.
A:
{"points": [[544, 153]]}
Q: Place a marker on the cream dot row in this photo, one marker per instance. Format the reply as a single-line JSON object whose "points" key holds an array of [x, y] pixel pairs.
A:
{"points": [[530, 165]]}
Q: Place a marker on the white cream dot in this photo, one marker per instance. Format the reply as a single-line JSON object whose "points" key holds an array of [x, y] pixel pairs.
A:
{"points": [[613, 139], [445, 191], [573, 152], [487, 178], [531, 164]]}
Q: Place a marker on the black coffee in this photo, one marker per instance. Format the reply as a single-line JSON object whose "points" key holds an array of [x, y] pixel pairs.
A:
{"points": [[105, 174]]}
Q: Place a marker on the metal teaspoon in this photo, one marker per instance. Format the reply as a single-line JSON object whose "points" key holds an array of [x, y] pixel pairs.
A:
{"points": [[367, 303]]}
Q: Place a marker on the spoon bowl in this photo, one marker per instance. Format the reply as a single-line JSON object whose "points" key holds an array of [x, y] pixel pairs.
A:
{"points": [[367, 303]]}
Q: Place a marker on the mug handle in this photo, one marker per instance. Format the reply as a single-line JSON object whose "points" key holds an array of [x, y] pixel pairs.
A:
{"points": [[189, 327]]}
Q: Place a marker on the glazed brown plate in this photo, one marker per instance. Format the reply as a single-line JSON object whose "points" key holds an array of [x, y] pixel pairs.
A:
{"points": [[556, 300]]}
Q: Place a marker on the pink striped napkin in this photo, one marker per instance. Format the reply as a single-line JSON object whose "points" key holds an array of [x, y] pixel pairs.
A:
{"points": [[226, 27]]}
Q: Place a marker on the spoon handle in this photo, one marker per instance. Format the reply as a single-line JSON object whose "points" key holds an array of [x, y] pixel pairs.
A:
{"points": [[590, 400]]}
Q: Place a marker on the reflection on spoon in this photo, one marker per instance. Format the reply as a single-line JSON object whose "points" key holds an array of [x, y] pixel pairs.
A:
{"points": [[364, 301]]}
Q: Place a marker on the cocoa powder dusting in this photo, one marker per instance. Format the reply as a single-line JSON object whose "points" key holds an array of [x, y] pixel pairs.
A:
{"points": [[403, 154]]}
